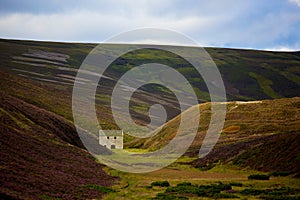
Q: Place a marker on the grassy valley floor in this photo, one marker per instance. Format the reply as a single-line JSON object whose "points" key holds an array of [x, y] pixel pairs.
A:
{"points": [[138, 186]]}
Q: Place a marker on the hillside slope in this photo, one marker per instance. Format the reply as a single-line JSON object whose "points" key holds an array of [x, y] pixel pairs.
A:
{"points": [[247, 74], [263, 135], [37, 159]]}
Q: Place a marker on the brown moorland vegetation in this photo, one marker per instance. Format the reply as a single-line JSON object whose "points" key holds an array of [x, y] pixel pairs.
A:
{"points": [[42, 156]]}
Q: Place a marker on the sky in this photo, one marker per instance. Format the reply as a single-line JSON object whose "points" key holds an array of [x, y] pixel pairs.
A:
{"points": [[251, 24]]}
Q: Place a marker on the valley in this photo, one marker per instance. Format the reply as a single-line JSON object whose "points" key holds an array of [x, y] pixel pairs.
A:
{"points": [[42, 156]]}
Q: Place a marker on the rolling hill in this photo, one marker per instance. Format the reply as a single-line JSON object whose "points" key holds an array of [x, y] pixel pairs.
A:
{"points": [[42, 155], [263, 135], [247, 74]]}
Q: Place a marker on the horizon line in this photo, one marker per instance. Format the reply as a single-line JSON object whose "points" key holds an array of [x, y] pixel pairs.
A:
{"points": [[281, 49]]}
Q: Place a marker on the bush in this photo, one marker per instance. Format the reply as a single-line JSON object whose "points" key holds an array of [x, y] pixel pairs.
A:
{"points": [[280, 197], [208, 192], [253, 192], [184, 184], [183, 189], [276, 192], [160, 183], [236, 184], [222, 186], [258, 177], [212, 190], [280, 173], [164, 196], [224, 196], [283, 191]]}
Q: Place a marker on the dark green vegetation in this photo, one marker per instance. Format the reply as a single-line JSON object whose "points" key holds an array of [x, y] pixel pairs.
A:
{"points": [[160, 183], [43, 158], [276, 193], [276, 174], [258, 177], [213, 190], [164, 196], [236, 184], [224, 191]]}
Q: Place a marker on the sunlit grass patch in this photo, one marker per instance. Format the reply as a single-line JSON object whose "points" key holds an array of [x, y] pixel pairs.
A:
{"points": [[231, 129]]}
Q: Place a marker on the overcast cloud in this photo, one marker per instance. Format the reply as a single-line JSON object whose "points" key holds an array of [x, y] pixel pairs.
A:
{"points": [[258, 24]]}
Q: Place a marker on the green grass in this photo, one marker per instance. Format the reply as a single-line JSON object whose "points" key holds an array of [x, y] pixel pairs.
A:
{"points": [[131, 158], [211, 191], [265, 84], [213, 184]]}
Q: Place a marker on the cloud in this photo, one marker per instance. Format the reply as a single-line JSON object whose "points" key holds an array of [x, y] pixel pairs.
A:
{"points": [[229, 23], [285, 48], [87, 25], [297, 2], [282, 49]]}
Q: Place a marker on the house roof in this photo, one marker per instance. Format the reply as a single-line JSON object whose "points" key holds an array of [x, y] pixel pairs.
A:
{"points": [[106, 133]]}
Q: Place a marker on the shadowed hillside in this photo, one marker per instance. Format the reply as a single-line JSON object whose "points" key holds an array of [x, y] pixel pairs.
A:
{"points": [[41, 153], [42, 156]]}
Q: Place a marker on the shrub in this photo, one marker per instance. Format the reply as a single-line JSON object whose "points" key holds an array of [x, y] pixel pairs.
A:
{"points": [[258, 177], [236, 184], [164, 196], [222, 186], [183, 189], [271, 197], [280, 173], [224, 196], [208, 192], [212, 190], [253, 192], [160, 183], [283, 191], [184, 184], [276, 192]]}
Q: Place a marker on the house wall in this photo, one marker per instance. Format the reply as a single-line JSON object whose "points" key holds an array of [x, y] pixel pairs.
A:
{"points": [[107, 141]]}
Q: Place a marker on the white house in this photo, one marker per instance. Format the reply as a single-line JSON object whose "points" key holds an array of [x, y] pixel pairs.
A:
{"points": [[111, 139]]}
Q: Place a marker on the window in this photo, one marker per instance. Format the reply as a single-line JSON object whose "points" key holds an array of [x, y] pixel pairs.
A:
{"points": [[113, 146], [115, 137], [107, 137]]}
